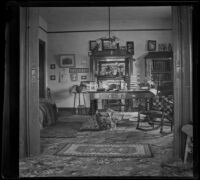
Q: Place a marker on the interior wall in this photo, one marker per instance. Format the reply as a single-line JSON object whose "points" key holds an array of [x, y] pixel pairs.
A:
{"points": [[60, 42], [73, 43], [77, 43]]}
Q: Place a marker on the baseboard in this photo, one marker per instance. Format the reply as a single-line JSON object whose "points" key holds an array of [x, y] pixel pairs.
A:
{"points": [[60, 109], [78, 111]]}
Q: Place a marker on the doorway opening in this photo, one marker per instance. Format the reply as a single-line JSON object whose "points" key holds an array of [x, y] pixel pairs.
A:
{"points": [[42, 55], [69, 122]]}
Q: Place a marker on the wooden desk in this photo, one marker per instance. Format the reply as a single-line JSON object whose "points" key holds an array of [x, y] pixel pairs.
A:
{"points": [[95, 95]]}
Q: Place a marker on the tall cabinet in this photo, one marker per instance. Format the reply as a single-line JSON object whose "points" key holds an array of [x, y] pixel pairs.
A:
{"points": [[111, 69], [159, 68], [116, 66]]}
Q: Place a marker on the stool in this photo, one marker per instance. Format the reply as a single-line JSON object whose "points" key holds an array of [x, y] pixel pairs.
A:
{"points": [[188, 130], [79, 102]]}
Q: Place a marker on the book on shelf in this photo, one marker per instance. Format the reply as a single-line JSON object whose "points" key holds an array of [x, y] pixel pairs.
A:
{"points": [[159, 65]]}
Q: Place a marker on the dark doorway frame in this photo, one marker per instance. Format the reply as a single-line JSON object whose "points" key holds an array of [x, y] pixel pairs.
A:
{"points": [[10, 95]]}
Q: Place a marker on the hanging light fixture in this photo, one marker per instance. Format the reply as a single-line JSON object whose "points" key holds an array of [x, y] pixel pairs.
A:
{"points": [[113, 38], [109, 22]]}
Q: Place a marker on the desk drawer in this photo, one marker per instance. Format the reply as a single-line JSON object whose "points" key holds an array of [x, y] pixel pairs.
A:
{"points": [[108, 96], [120, 95]]}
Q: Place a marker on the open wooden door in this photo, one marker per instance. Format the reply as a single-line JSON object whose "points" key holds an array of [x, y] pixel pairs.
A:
{"points": [[183, 64]]}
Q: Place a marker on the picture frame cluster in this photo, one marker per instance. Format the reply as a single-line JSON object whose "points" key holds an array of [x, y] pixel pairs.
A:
{"points": [[110, 44], [152, 46]]}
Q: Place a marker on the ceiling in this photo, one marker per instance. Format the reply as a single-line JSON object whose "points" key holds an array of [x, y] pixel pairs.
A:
{"points": [[100, 13]]}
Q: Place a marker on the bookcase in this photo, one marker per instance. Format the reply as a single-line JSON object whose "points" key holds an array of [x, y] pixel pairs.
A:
{"points": [[159, 68]]}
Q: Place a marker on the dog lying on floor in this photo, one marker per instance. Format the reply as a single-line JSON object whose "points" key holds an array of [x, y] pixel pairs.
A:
{"points": [[108, 119]]}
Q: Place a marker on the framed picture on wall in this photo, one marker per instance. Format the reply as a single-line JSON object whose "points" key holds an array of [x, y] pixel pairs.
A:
{"points": [[83, 77], [52, 66], [74, 76], [78, 70], [52, 77], [151, 45], [93, 45], [107, 44], [67, 60], [130, 47]]}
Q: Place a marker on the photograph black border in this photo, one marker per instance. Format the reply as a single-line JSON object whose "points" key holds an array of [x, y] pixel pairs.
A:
{"points": [[10, 133]]}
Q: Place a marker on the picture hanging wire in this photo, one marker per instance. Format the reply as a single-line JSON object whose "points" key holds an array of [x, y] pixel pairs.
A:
{"points": [[113, 38]]}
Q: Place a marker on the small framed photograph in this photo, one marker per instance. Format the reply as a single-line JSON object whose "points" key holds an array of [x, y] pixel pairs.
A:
{"points": [[78, 70], [34, 72], [52, 66], [67, 60], [83, 77], [130, 47], [151, 46], [74, 76], [93, 45], [52, 77], [107, 44]]}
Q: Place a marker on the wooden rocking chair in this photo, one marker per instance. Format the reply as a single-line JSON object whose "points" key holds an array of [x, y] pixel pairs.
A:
{"points": [[158, 112]]}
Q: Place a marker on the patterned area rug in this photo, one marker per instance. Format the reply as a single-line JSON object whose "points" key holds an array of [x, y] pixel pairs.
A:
{"points": [[61, 130], [106, 150]]}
